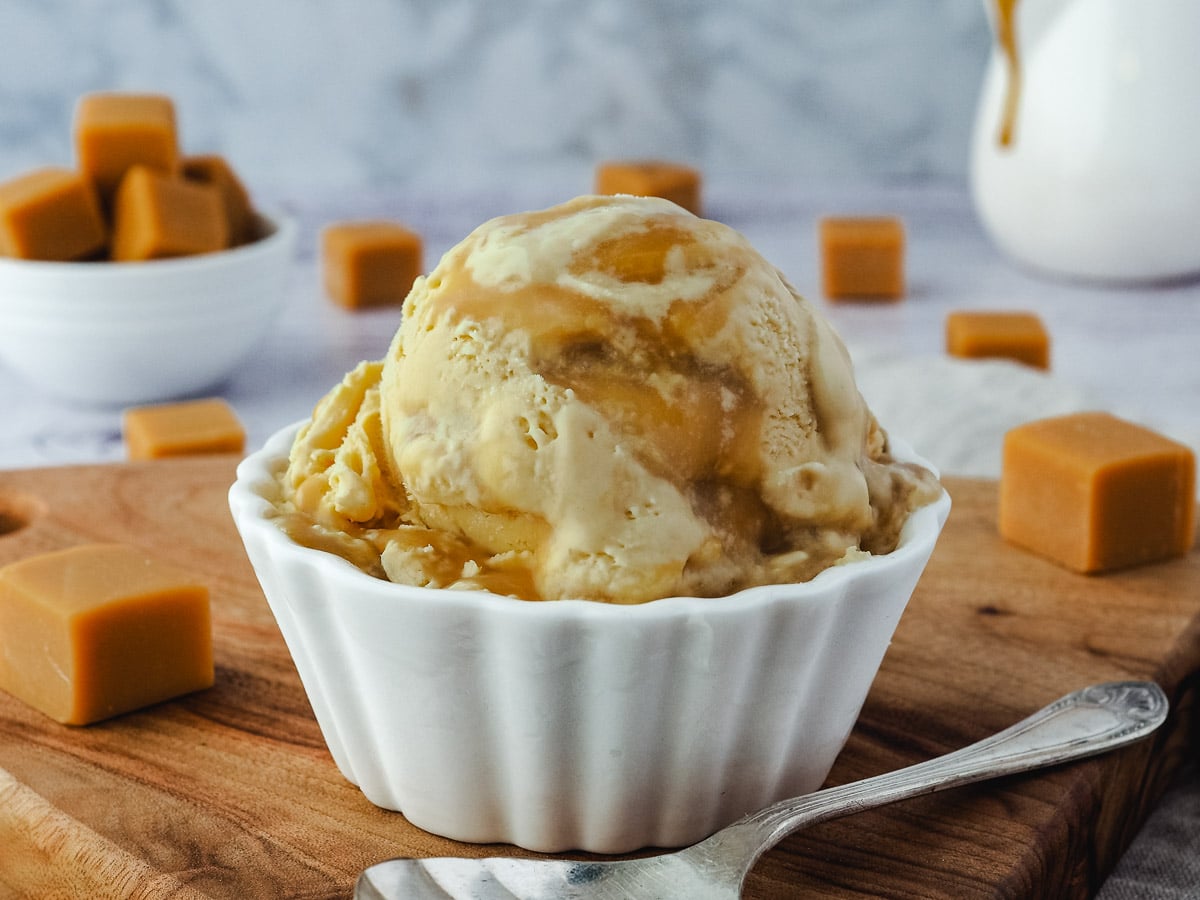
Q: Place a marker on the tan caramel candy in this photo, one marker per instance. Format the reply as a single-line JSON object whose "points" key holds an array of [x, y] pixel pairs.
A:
{"points": [[862, 257], [214, 170], [99, 630], [50, 214], [182, 429], [1093, 492], [157, 216], [1019, 336], [370, 263], [651, 178], [116, 131]]}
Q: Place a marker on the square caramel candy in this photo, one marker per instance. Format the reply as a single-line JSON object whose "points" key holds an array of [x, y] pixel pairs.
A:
{"points": [[369, 263], [1018, 336], [189, 428], [651, 178], [50, 214], [862, 257], [214, 170], [1094, 493], [156, 216], [115, 131], [98, 630]]}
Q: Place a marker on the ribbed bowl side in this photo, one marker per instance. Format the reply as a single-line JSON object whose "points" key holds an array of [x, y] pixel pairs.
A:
{"points": [[576, 725], [661, 732], [283, 580]]}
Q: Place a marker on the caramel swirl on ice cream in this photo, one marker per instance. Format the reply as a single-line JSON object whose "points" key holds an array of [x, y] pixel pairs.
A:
{"points": [[611, 399]]}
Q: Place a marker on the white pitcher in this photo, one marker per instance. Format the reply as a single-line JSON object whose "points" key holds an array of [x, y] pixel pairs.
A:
{"points": [[1100, 176]]}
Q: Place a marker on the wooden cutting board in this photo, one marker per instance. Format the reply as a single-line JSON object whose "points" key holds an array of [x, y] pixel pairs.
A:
{"points": [[230, 792]]}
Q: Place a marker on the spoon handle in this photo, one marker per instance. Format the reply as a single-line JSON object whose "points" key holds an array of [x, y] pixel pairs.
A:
{"points": [[1084, 723]]}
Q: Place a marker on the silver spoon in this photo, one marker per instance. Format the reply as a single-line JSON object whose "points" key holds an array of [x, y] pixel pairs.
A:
{"points": [[1087, 722]]}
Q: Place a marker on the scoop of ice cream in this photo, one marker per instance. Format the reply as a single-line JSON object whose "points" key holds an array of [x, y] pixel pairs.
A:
{"points": [[611, 399]]}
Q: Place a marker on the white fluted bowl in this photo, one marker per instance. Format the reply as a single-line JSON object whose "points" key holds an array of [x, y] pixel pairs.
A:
{"points": [[114, 334], [574, 724]]}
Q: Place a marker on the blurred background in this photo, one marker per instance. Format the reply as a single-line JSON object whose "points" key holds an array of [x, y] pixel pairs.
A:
{"points": [[455, 93]]}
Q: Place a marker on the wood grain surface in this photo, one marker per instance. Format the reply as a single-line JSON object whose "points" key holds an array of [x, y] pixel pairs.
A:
{"points": [[230, 792]]}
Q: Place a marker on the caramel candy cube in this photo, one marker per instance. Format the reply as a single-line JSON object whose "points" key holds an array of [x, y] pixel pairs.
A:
{"points": [[101, 629], [1094, 493], [156, 216], [1019, 336], [239, 212], [371, 263], [116, 131], [189, 428], [651, 178], [50, 214], [862, 257]]}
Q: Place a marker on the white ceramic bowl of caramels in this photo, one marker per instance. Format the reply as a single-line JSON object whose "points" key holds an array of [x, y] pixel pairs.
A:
{"points": [[118, 333], [575, 724]]}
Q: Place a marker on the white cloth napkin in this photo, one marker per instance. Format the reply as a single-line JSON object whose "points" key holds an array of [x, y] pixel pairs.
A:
{"points": [[955, 412]]}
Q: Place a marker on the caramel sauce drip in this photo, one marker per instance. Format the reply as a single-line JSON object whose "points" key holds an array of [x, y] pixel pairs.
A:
{"points": [[447, 555], [641, 256], [1006, 36], [640, 373]]}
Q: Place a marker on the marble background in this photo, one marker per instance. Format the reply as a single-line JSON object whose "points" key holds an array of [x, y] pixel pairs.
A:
{"points": [[450, 93]]}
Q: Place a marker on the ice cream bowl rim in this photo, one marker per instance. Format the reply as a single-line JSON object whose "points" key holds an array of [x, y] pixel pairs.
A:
{"points": [[510, 645]]}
